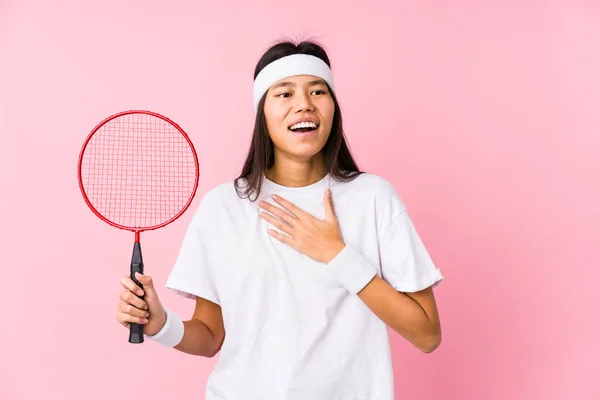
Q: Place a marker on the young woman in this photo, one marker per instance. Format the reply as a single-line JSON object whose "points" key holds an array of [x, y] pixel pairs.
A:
{"points": [[299, 265]]}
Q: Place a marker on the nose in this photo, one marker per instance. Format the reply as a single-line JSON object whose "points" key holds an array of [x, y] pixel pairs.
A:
{"points": [[303, 102]]}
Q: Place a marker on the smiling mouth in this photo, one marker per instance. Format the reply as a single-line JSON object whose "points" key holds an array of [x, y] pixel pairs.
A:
{"points": [[303, 127]]}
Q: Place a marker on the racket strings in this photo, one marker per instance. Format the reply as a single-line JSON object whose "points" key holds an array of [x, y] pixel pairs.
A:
{"points": [[138, 171]]}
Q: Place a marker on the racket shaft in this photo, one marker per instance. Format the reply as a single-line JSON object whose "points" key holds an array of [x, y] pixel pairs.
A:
{"points": [[136, 331]]}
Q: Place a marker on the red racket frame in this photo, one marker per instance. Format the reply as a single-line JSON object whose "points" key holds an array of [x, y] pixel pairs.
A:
{"points": [[137, 230]]}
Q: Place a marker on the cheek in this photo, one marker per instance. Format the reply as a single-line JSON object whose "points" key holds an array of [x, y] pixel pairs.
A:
{"points": [[272, 117], [275, 116], [276, 126], [327, 108], [328, 112]]}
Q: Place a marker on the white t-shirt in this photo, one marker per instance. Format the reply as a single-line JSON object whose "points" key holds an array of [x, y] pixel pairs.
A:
{"points": [[293, 331]]}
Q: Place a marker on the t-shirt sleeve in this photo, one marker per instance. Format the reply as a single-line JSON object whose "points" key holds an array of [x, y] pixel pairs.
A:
{"points": [[192, 274], [405, 262]]}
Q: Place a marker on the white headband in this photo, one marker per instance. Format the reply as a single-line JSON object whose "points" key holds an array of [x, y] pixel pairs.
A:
{"points": [[296, 64]]}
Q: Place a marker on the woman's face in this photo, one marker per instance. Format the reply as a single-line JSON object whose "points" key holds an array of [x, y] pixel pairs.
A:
{"points": [[299, 114]]}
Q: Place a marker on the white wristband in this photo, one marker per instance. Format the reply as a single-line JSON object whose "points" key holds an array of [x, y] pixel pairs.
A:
{"points": [[171, 333], [351, 269]]}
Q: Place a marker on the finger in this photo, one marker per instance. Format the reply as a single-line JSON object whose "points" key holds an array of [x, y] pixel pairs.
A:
{"points": [[145, 280], [329, 209], [132, 299], [124, 318], [148, 285], [128, 309], [281, 237], [277, 222], [291, 207], [128, 283], [124, 323], [281, 214]]}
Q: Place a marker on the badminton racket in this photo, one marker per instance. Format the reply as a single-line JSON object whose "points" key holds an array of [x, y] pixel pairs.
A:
{"points": [[138, 171]]}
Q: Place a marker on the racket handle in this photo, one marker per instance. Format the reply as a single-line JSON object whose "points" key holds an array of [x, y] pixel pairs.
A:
{"points": [[136, 331]]}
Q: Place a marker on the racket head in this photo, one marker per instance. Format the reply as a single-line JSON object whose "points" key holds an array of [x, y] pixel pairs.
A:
{"points": [[138, 170]]}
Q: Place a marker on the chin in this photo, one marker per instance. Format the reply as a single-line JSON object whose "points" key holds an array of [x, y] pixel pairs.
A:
{"points": [[304, 146], [305, 151], [308, 154]]}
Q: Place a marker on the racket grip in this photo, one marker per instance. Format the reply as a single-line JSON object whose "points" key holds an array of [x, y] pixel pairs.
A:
{"points": [[136, 331]]}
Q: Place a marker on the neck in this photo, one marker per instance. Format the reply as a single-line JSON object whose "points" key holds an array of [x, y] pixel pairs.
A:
{"points": [[294, 173]]}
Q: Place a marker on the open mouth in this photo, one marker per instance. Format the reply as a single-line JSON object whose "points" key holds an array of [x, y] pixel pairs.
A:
{"points": [[304, 127]]}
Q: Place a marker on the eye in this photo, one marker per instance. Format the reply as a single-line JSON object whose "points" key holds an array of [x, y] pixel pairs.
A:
{"points": [[285, 94], [319, 91]]}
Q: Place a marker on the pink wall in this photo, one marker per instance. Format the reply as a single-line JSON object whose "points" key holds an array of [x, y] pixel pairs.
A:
{"points": [[486, 118]]}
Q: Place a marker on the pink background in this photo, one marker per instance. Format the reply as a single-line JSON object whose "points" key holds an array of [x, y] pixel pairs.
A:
{"points": [[486, 118]]}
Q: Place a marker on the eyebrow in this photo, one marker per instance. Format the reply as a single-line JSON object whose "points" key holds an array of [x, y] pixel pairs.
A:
{"points": [[288, 83]]}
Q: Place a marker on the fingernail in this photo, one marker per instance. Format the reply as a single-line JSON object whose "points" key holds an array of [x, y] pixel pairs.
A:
{"points": [[275, 197], [147, 314], [140, 293]]}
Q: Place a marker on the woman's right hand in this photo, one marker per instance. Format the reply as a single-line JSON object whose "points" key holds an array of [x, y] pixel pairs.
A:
{"points": [[148, 311]]}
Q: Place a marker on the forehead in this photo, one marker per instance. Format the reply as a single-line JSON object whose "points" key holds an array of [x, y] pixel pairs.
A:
{"points": [[298, 80]]}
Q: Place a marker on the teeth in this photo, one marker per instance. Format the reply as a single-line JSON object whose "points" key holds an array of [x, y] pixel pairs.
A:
{"points": [[303, 125]]}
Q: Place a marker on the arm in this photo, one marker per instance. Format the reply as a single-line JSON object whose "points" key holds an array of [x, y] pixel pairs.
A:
{"points": [[412, 315], [204, 332]]}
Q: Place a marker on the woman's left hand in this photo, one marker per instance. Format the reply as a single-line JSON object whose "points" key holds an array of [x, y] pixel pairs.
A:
{"points": [[319, 239]]}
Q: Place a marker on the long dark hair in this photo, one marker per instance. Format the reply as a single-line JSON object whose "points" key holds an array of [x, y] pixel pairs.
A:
{"points": [[336, 154]]}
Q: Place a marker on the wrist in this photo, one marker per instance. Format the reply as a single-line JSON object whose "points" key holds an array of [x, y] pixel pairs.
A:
{"points": [[161, 324], [171, 333], [352, 269], [335, 249]]}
